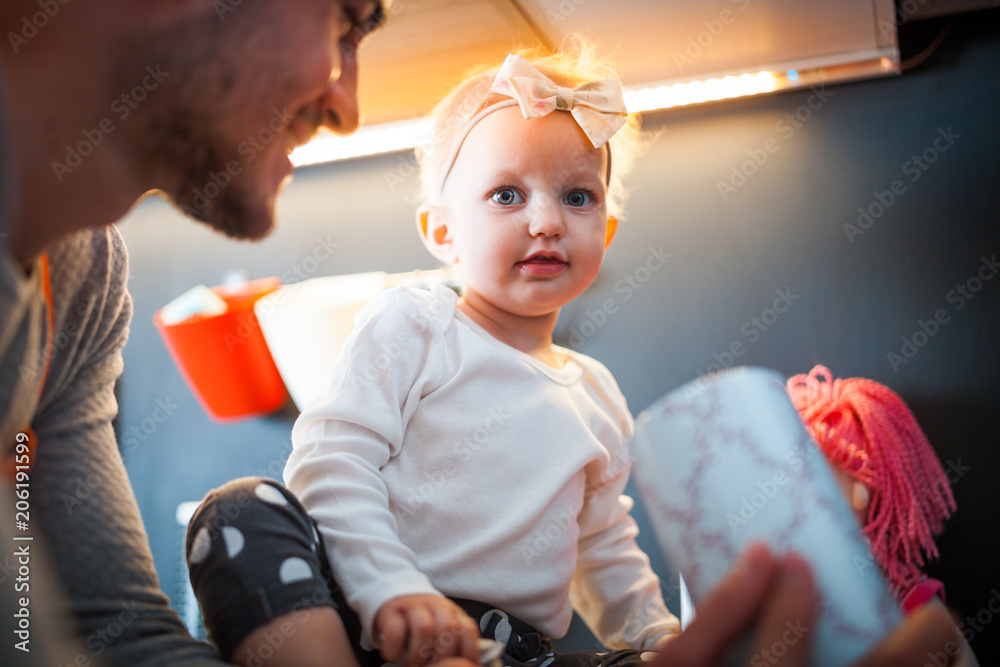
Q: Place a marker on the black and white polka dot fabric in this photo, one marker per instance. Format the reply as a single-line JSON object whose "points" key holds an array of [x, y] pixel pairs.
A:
{"points": [[254, 554]]}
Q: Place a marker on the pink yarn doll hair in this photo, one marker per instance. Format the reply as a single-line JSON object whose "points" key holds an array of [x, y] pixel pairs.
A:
{"points": [[866, 429]]}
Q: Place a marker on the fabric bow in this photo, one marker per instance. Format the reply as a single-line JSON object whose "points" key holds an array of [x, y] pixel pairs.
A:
{"points": [[597, 106]]}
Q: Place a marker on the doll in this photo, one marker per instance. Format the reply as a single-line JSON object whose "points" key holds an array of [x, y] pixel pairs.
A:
{"points": [[887, 469]]}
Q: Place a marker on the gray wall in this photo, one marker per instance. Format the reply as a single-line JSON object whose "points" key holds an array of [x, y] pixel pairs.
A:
{"points": [[783, 229]]}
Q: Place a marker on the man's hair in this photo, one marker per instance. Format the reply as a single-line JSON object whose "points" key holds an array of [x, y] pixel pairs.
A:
{"points": [[576, 63]]}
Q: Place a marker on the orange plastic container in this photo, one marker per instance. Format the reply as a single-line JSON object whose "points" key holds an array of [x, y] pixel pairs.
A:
{"points": [[225, 359]]}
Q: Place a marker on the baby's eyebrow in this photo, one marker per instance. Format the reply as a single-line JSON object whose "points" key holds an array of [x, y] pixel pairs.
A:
{"points": [[505, 175], [581, 177]]}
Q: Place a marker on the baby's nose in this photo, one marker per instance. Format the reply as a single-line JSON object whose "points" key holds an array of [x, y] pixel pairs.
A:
{"points": [[545, 218]]}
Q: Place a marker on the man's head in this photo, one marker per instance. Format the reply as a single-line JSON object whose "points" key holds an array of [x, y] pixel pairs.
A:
{"points": [[200, 99], [245, 82]]}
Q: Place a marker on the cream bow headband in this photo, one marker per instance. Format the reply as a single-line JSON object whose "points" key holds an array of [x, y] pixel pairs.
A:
{"points": [[597, 106]]}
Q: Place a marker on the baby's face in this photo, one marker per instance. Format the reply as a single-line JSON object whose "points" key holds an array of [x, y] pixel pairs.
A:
{"points": [[525, 207]]}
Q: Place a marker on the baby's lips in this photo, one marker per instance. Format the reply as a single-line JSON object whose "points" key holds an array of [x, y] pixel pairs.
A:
{"points": [[544, 258]]}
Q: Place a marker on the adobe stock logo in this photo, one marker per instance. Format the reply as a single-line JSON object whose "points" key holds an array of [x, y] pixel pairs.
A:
{"points": [[629, 284], [30, 25], [713, 29], [914, 168], [122, 107], [753, 329], [925, 330], [741, 172]]}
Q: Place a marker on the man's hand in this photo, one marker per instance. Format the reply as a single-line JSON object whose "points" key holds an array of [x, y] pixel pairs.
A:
{"points": [[768, 594], [417, 630], [925, 634]]}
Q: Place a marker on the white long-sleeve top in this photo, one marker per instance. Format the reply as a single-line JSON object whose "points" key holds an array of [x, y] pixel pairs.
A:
{"points": [[443, 461]]}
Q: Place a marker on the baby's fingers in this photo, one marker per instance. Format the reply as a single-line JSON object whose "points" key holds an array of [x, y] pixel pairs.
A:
{"points": [[469, 636], [459, 635], [422, 630], [454, 635], [392, 634]]}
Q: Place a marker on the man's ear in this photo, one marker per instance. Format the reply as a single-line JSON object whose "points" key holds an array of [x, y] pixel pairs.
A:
{"points": [[610, 233], [433, 228]]}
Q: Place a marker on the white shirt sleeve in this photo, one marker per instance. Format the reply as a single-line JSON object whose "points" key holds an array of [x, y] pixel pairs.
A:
{"points": [[614, 588], [342, 441]]}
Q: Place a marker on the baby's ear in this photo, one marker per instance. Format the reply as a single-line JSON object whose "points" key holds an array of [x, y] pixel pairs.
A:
{"points": [[433, 228], [609, 235]]}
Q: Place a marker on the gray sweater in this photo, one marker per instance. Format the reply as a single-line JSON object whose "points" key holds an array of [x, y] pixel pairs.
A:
{"points": [[83, 513]]}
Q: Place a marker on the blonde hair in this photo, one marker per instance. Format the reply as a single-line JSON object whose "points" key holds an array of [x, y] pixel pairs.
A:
{"points": [[576, 63]]}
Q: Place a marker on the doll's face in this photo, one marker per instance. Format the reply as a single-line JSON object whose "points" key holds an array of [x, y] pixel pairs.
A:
{"points": [[847, 486]]}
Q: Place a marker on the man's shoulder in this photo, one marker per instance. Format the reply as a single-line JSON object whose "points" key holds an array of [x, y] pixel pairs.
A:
{"points": [[88, 272], [89, 261]]}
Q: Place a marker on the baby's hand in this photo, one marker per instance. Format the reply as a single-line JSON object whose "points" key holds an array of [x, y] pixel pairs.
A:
{"points": [[417, 630]]}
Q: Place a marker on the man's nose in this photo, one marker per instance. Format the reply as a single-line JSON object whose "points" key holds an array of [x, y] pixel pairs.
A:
{"points": [[340, 102]]}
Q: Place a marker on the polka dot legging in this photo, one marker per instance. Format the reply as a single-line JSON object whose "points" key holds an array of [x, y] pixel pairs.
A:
{"points": [[254, 554]]}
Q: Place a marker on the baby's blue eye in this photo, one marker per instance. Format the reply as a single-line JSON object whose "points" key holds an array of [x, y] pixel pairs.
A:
{"points": [[507, 197], [577, 198]]}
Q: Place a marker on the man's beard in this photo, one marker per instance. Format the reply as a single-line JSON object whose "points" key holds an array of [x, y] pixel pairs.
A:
{"points": [[206, 190], [209, 194], [184, 145]]}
